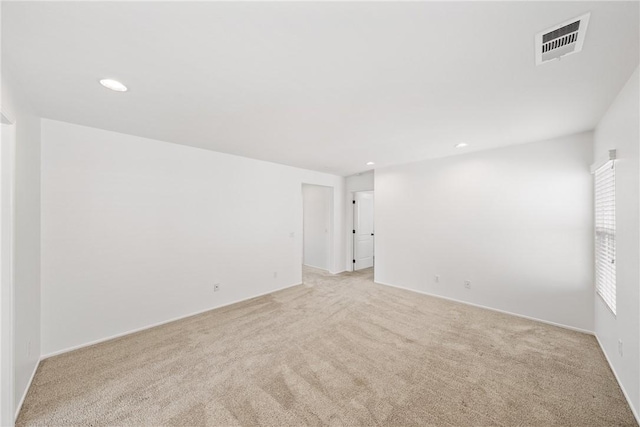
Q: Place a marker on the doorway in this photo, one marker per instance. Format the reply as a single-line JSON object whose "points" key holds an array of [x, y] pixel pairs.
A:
{"points": [[363, 230], [7, 150], [317, 226]]}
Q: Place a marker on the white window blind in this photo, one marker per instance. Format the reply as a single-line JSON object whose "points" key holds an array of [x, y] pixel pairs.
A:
{"points": [[605, 221]]}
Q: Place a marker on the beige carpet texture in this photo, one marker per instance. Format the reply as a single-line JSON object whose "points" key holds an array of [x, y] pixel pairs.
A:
{"points": [[336, 351]]}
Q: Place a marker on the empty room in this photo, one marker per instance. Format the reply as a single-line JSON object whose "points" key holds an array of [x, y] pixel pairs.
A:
{"points": [[309, 213]]}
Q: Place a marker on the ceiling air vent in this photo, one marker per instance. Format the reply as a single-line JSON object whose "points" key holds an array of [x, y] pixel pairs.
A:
{"points": [[561, 40]]}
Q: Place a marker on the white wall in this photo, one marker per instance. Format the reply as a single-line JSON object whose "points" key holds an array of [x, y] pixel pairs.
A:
{"points": [[364, 181], [318, 208], [360, 182], [619, 129], [517, 222], [26, 266], [137, 232]]}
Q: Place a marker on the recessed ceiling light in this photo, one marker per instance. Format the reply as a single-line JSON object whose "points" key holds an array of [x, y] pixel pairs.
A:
{"points": [[461, 145], [113, 85], [370, 163]]}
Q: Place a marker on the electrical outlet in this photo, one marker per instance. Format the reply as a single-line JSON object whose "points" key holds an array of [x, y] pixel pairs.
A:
{"points": [[467, 284], [620, 347], [216, 287], [275, 274], [436, 278]]}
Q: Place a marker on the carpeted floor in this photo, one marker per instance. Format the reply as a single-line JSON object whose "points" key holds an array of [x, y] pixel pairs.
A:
{"points": [[338, 350]]}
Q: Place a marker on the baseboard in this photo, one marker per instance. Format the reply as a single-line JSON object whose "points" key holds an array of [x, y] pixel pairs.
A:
{"points": [[164, 322], [317, 268], [26, 390], [324, 269], [56, 353], [615, 374], [535, 319]]}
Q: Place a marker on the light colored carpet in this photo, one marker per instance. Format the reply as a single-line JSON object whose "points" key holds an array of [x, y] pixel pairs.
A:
{"points": [[338, 350]]}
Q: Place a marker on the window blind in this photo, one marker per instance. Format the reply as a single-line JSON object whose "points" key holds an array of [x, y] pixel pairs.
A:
{"points": [[605, 222]]}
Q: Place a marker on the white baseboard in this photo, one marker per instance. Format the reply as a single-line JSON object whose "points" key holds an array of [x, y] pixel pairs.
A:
{"points": [[164, 322], [26, 390], [24, 395], [324, 269], [615, 374], [535, 319], [316, 267]]}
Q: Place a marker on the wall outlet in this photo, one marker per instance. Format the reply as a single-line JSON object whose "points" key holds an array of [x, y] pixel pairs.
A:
{"points": [[216, 287], [436, 278], [275, 274], [620, 347], [467, 284]]}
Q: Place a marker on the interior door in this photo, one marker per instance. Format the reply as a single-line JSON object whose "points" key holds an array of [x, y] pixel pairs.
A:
{"points": [[363, 240]]}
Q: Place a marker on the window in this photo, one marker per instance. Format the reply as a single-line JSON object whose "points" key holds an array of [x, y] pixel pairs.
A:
{"points": [[605, 219]]}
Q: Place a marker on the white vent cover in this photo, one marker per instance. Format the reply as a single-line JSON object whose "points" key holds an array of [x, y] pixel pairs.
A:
{"points": [[561, 40]]}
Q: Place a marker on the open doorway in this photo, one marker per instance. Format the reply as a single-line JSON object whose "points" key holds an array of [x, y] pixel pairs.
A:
{"points": [[363, 230], [317, 226], [7, 150]]}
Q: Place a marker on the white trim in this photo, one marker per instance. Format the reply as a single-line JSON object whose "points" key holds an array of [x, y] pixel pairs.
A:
{"points": [[317, 268], [164, 322], [624, 392], [26, 390], [7, 272], [324, 269], [535, 319], [334, 246], [615, 374]]}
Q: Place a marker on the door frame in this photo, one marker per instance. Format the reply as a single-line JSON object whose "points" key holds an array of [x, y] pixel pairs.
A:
{"points": [[331, 262], [7, 251]]}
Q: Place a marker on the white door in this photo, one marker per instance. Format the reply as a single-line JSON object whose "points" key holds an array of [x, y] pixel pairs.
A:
{"points": [[363, 235]]}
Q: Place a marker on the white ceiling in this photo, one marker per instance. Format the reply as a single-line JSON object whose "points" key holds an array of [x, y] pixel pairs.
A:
{"points": [[323, 86]]}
